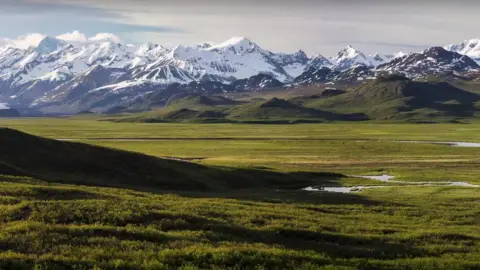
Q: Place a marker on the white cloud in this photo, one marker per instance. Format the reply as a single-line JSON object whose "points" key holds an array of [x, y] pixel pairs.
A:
{"points": [[32, 40], [4, 106], [73, 36], [106, 37], [25, 41], [77, 36]]}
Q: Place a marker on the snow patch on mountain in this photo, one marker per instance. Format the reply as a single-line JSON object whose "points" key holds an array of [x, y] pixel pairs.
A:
{"points": [[119, 86], [470, 48], [237, 45], [349, 57], [431, 61]]}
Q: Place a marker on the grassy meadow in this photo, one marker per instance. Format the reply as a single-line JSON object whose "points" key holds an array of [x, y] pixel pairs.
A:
{"points": [[87, 127], [48, 225], [348, 148]]}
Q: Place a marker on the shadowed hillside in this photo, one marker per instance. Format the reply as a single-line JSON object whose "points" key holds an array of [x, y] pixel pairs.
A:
{"points": [[201, 101], [198, 102], [202, 109], [76, 163], [68, 162], [398, 98], [9, 113], [281, 109], [273, 108]]}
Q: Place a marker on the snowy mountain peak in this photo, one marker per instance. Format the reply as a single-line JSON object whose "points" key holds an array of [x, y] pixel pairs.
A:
{"points": [[237, 45], [318, 61], [378, 57], [147, 46], [236, 41], [399, 54], [183, 52], [49, 44], [149, 49], [439, 52], [205, 45], [470, 48], [301, 55], [349, 52], [464, 46], [349, 57]]}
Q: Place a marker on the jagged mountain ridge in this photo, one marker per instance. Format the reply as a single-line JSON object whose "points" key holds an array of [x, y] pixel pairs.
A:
{"points": [[55, 68], [431, 61], [68, 76], [435, 60]]}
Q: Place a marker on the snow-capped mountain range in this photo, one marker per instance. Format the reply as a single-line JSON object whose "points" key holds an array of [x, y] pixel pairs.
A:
{"points": [[350, 57], [71, 72], [470, 48], [432, 60]]}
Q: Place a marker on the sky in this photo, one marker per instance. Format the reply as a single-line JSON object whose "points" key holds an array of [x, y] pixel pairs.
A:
{"points": [[315, 26]]}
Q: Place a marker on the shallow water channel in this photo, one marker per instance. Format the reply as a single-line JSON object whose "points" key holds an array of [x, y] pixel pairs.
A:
{"points": [[388, 178], [454, 144]]}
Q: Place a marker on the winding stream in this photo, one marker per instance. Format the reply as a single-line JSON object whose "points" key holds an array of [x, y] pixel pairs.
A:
{"points": [[454, 144], [388, 178]]}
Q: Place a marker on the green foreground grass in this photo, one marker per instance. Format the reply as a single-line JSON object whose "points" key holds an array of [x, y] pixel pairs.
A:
{"points": [[59, 226], [54, 226]]}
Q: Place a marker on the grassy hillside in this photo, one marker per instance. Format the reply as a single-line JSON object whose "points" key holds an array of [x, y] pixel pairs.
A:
{"points": [[469, 81], [278, 109], [200, 102], [398, 98], [76, 163], [191, 108], [69, 162], [218, 109]]}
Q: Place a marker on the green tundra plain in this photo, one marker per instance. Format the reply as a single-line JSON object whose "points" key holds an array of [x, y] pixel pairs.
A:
{"points": [[245, 208]]}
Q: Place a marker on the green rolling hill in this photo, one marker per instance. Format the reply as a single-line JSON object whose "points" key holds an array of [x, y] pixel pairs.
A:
{"points": [[399, 98]]}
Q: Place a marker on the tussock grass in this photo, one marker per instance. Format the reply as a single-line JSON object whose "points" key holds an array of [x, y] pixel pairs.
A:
{"points": [[118, 228]]}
